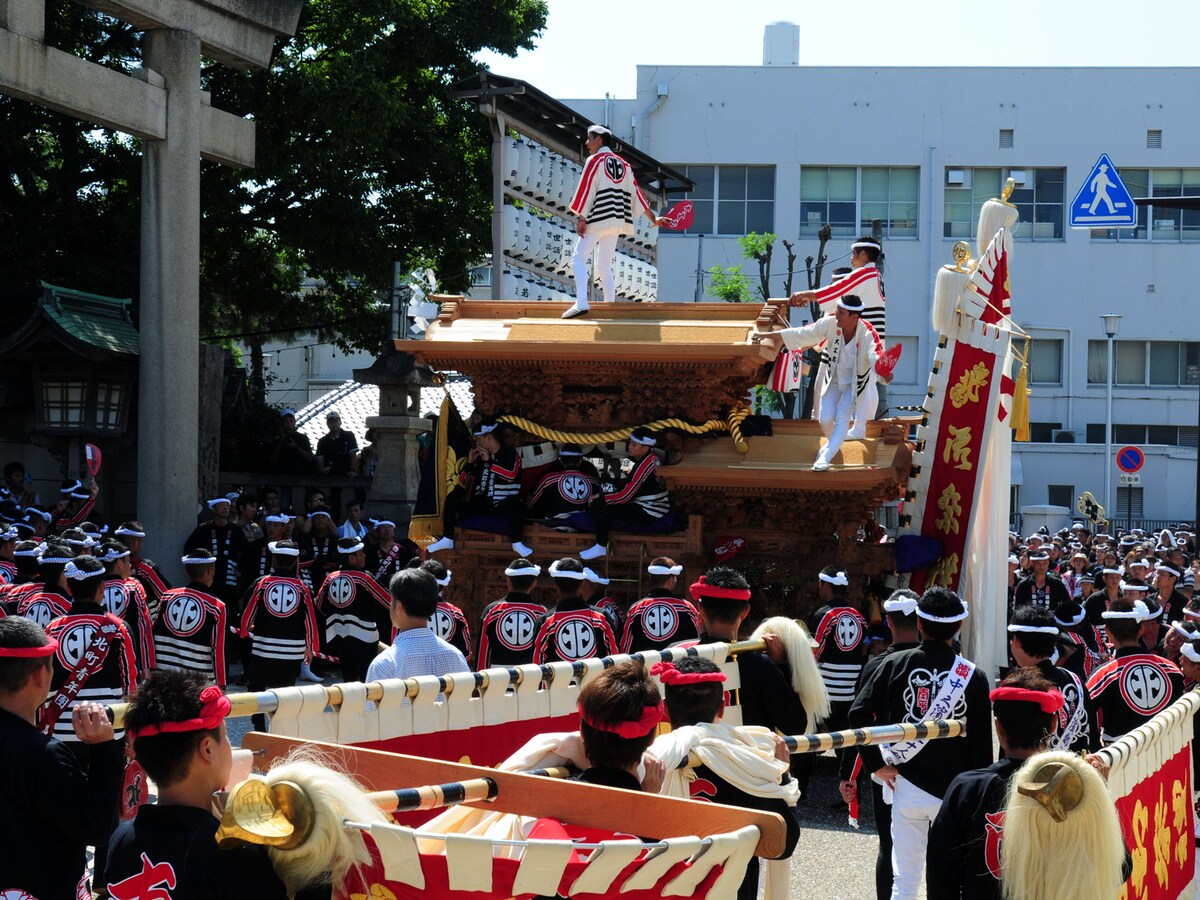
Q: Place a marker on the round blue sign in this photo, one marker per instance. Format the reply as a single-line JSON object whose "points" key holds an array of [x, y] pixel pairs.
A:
{"points": [[1130, 459]]}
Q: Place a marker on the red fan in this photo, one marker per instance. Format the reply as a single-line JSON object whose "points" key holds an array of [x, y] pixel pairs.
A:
{"points": [[94, 459], [886, 364], [679, 217]]}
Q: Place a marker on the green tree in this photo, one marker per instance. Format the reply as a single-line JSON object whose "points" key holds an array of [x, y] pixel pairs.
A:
{"points": [[729, 285], [361, 160]]}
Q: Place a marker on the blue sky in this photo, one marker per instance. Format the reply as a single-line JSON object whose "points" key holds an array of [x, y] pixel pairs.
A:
{"points": [[590, 47]]}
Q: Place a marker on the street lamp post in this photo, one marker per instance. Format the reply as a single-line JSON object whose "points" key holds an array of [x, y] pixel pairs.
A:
{"points": [[1111, 320]]}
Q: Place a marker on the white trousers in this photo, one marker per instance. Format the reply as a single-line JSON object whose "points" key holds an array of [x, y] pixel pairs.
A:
{"points": [[605, 245], [868, 404], [837, 404], [913, 812]]}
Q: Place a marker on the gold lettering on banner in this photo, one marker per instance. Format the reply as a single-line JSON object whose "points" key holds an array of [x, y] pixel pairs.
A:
{"points": [[1181, 819], [945, 570], [967, 389], [1139, 854], [950, 503], [958, 449]]}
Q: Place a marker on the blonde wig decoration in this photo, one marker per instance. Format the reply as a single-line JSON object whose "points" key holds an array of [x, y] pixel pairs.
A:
{"points": [[331, 850], [1079, 859], [806, 677]]}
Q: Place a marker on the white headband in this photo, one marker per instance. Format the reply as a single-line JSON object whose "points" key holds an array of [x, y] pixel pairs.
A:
{"points": [[376, 523], [215, 501], [1140, 612], [1178, 628], [74, 573], [1039, 556], [485, 429], [1107, 571], [280, 519], [55, 560], [443, 582], [198, 560], [113, 556], [1033, 629], [1189, 650], [1013, 561], [75, 542], [129, 531], [556, 572], [929, 617], [593, 577], [349, 550], [644, 441], [1071, 623], [842, 304], [534, 570], [1129, 588], [906, 606], [320, 512], [865, 245], [43, 514], [839, 579], [1187, 612], [276, 550], [1168, 570], [33, 551], [665, 570]]}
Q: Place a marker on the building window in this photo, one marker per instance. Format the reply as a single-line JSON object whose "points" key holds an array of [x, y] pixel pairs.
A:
{"points": [[850, 199], [1129, 503], [108, 405], [1158, 223], [1163, 435], [1153, 363], [732, 200], [1061, 495], [1045, 432], [1045, 361], [1038, 196]]}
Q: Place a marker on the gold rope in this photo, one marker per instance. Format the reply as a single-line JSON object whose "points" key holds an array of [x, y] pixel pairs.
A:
{"points": [[1021, 392], [737, 416], [606, 437]]}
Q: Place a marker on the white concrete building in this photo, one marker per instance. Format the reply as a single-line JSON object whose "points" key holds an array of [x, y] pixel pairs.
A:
{"points": [[785, 147]]}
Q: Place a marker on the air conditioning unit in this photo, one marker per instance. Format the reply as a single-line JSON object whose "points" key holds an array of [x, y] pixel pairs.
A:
{"points": [[1019, 176], [960, 178], [1065, 436]]}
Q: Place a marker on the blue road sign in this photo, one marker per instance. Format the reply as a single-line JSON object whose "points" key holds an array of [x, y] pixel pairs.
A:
{"points": [[1103, 200], [1130, 459]]}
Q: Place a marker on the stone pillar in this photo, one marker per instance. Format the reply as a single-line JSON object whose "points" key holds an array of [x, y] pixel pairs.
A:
{"points": [[398, 472], [168, 382]]}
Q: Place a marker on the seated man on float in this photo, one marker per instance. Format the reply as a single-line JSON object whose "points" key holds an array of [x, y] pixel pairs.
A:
{"points": [[568, 497], [641, 505], [488, 497], [745, 767]]}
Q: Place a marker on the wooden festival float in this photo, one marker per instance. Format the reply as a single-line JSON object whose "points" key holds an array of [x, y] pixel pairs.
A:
{"points": [[687, 370]]}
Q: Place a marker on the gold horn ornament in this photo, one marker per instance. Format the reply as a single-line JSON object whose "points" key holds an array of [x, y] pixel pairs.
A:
{"points": [[273, 815], [1058, 788]]}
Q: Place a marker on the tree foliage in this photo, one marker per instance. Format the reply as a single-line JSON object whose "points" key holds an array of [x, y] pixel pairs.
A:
{"points": [[361, 161]]}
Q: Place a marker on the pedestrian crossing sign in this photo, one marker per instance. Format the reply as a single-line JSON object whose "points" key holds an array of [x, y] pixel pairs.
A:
{"points": [[1103, 201]]}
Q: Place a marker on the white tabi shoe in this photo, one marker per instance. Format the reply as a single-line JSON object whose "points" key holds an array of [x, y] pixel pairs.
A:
{"points": [[576, 311], [307, 674], [442, 543], [820, 466], [593, 551], [521, 550]]}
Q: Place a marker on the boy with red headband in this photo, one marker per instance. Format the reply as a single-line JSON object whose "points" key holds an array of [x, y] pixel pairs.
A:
{"points": [[53, 806], [619, 711], [745, 767], [177, 724], [964, 855]]}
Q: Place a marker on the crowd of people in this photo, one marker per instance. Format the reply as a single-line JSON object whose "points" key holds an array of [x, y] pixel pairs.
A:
{"points": [[1103, 635]]}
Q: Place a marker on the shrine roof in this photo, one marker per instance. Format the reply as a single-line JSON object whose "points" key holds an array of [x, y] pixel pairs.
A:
{"points": [[89, 325]]}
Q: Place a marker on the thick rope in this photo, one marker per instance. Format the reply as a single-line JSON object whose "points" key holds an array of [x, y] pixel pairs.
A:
{"points": [[607, 437], [737, 416]]}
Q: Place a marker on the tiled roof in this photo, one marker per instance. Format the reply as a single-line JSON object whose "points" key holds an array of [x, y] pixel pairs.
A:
{"points": [[356, 402], [100, 322]]}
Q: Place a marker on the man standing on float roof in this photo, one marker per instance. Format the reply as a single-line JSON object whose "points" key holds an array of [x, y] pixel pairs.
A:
{"points": [[853, 348], [604, 201], [863, 281]]}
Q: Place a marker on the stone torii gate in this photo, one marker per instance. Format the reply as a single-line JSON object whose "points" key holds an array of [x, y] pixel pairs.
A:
{"points": [[162, 103]]}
